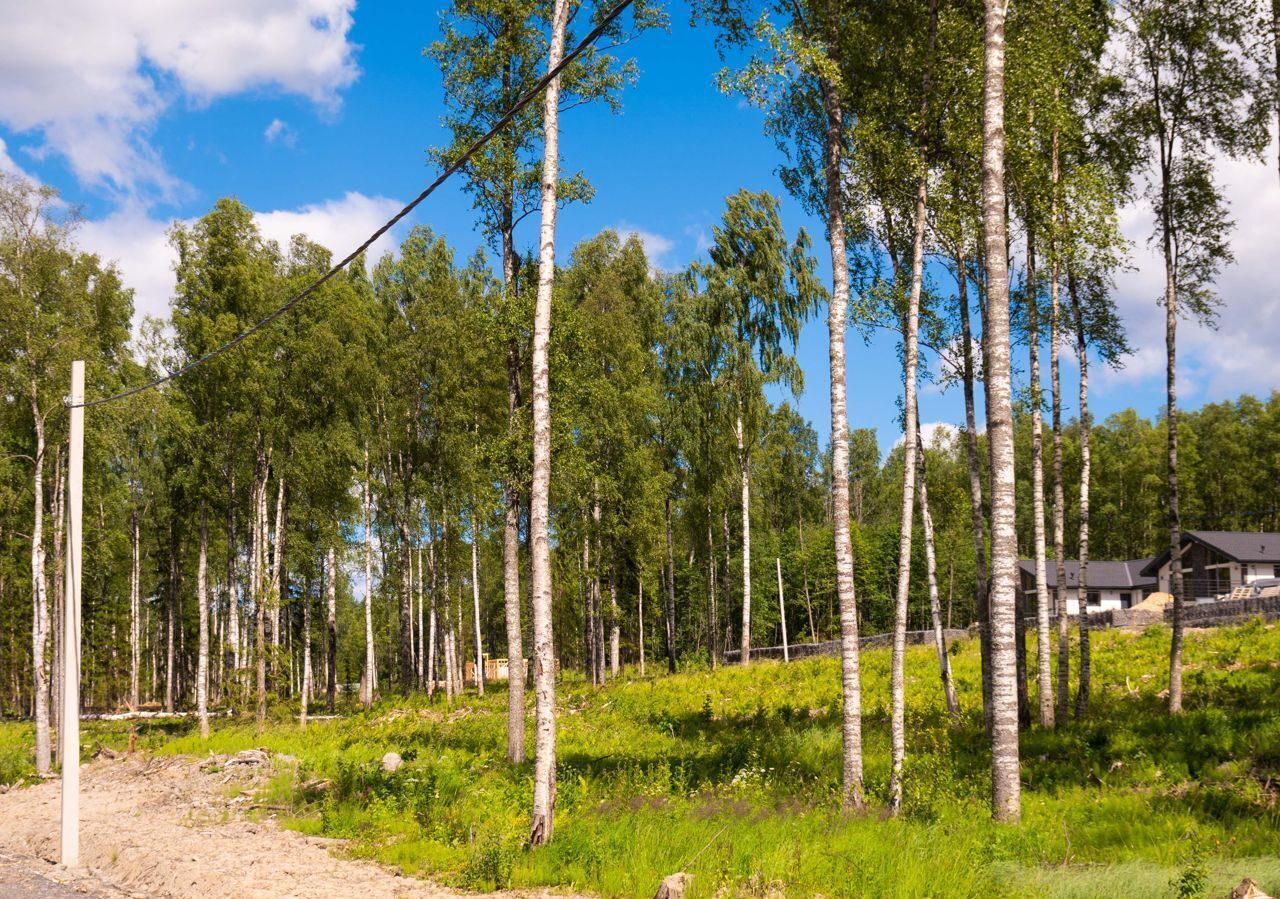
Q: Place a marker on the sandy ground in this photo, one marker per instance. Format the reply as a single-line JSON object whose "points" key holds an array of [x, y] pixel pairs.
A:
{"points": [[165, 827]]}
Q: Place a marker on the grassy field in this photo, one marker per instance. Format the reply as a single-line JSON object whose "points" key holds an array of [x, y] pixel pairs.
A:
{"points": [[733, 776]]}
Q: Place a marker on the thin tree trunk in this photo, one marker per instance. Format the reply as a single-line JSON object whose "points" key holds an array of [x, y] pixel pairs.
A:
{"points": [[277, 565], [745, 466], [171, 624], [135, 612], [837, 323], [370, 660], [544, 673], [259, 600], [515, 639], [640, 619], [782, 611], [588, 612], [475, 599], [1006, 787], [615, 626], [804, 567], [912, 441], [305, 692], [39, 605], [421, 659], [981, 584], [1082, 693], [202, 610], [542, 824], [331, 596], [713, 642], [897, 682], [406, 604], [1175, 520], [935, 604], [1044, 675], [432, 628], [58, 502], [1059, 493], [233, 586], [670, 599]]}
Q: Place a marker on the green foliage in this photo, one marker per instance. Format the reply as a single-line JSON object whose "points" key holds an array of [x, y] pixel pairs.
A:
{"points": [[740, 769]]}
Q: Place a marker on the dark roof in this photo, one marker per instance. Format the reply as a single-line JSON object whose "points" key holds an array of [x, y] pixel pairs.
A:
{"points": [[1238, 546], [1103, 575]]}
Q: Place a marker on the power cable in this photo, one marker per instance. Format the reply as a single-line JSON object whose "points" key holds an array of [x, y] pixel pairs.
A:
{"points": [[457, 164]]}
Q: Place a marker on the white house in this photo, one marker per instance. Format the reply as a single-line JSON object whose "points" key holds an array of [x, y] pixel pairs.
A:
{"points": [[1216, 563], [1111, 585]]}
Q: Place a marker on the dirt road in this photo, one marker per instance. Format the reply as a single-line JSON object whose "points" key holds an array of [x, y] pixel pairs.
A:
{"points": [[163, 827]]}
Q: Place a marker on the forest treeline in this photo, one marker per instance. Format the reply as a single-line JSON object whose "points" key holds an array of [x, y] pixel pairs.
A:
{"points": [[579, 463]]}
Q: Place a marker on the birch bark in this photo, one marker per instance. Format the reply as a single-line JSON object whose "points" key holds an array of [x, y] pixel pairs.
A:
{"points": [[544, 776]]}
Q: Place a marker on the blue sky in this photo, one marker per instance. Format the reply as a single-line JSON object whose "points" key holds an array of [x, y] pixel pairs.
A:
{"points": [[317, 114]]}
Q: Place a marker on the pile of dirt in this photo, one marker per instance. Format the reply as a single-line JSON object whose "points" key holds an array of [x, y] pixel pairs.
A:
{"points": [[178, 827], [1156, 602]]}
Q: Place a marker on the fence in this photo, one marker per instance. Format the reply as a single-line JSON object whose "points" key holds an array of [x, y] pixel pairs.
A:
{"points": [[832, 647]]}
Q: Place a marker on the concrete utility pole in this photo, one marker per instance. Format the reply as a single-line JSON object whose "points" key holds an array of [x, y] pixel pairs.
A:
{"points": [[69, 732], [782, 613]]}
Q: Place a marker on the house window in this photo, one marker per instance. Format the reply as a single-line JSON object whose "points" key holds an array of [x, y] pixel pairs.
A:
{"points": [[1275, 570], [1093, 599], [1126, 600]]}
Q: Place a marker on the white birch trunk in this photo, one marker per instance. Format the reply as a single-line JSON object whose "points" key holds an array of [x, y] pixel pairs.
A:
{"points": [[331, 597], [615, 627], [515, 639], [897, 684], [1044, 673], [421, 620], [1059, 493], [935, 603], [782, 612], [475, 600], [837, 323], [40, 605], [305, 692], [233, 585], [202, 610], [135, 613], [277, 562], [544, 673], [1006, 787], [1086, 464], [640, 619], [745, 472], [370, 661]]}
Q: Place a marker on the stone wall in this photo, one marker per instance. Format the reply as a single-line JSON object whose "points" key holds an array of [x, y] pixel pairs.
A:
{"points": [[1230, 611]]}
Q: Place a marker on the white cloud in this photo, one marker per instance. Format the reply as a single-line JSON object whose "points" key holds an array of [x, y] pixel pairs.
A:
{"points": [[140, 243], [930, 431], [280, 132], [339, 224], [1239, 355], [656, 246], [7, 165], [92, 78]]}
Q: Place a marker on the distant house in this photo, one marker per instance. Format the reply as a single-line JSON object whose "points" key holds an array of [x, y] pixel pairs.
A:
{"points": [[1216, 564], [1112, 585]]}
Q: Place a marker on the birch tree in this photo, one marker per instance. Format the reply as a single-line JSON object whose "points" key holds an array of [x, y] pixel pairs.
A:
{"points": [[544, 661], [1006, 788], [1197, 88]]}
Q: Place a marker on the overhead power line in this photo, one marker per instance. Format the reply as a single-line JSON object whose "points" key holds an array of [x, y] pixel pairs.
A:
{"points": [[475, 147]]}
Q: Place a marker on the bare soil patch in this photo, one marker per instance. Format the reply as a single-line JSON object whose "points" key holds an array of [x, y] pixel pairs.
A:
{"points": [[168, 827]]}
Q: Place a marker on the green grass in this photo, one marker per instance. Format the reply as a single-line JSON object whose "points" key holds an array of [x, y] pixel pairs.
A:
{"points": [[733, 776]]}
